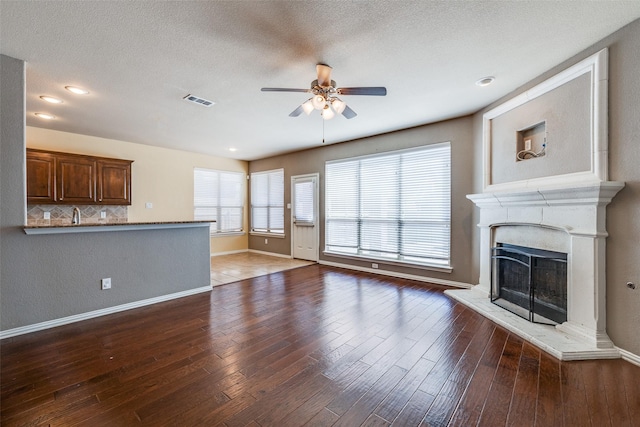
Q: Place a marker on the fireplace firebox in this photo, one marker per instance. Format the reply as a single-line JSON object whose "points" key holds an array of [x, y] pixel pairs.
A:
{"points": [[530, 282]]}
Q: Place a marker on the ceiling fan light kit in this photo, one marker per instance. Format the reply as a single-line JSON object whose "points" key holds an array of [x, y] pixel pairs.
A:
{"points": [[324, 96], [327, 112], [319, 102], [338, 105], [307, 107]]}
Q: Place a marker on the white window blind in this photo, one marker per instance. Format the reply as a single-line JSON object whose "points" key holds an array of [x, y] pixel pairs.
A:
{"points": [[267, 201], [393, 206], [304, 206], [219, 196]]}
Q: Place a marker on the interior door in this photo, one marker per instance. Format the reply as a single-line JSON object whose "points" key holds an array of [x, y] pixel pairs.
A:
{"points": [[304, 190]]}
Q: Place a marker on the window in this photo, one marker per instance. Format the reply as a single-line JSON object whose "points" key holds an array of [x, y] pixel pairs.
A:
{"points": [[304, 212], [219, 196], [394, 206], [267, 202]]}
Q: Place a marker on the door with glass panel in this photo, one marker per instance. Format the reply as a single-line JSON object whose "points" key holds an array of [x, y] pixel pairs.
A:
{"points": [[304, 217]]}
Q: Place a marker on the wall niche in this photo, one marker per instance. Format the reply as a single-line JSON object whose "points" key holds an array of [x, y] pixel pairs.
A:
{"points": [[531, 142]]}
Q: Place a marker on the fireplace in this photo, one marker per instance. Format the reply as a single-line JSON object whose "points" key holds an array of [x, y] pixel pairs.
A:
{"points": [[569, 219], [563, 195], [530, 282]]}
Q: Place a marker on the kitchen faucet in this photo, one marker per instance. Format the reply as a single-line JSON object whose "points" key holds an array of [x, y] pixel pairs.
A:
{"points": [[76, 216]]}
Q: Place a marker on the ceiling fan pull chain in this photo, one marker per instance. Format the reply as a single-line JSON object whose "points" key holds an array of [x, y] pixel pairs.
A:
{"points": [[323, 131]]}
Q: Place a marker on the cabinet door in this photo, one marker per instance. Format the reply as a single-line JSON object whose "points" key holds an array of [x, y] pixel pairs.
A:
{"points": [[41, 178], [114, 182], [76, 180]]}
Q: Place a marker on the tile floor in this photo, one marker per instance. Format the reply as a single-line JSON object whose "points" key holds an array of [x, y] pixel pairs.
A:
{"points": [[245, 265]]}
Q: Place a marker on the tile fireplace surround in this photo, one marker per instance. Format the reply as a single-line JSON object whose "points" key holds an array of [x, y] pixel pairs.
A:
{"points": [[575, 216]]}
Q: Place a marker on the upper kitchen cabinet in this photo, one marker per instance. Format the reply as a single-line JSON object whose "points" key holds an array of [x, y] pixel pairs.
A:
{"points": [[64, 178], [114, 182], [76, 178], [41, 177]]}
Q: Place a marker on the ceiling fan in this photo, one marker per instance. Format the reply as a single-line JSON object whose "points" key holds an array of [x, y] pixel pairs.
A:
{"points": [[325, 97]]}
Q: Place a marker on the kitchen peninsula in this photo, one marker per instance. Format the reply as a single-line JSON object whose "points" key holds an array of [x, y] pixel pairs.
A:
{"points": [[59, 278], [115, 226]]}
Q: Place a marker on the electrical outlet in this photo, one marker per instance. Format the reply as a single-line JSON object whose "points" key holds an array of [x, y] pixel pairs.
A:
{"points": [[527, 144], [47, 215], [266, 241], [374, 265], [106, 283], [148, 205], [103, 214]]}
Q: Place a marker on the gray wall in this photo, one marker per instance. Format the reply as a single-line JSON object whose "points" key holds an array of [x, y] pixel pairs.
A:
{"points": [[566, 111], [623, 249], [46, 277], [623, 214], [458, 132], [623, 218]]}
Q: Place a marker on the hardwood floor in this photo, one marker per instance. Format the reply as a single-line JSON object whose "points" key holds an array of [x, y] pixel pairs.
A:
{"points": [[313, 346]]}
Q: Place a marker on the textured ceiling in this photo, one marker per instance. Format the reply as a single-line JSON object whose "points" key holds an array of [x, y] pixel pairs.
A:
{"points": [[139, 59]]}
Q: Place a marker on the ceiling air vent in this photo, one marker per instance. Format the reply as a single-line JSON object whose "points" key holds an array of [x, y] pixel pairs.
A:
{"points": [[199, 101]]}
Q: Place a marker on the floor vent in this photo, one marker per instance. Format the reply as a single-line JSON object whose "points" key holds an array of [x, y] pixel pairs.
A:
{"points": [[199, 101]]}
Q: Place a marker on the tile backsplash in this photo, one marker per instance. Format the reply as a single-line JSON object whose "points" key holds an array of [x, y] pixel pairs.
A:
{"points": [[62, 214]]}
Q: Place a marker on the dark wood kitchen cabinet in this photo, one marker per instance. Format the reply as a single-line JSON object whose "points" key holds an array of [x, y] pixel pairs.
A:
{"points": [[114, 182], [41, 178], [76, 179], [63, 178]]}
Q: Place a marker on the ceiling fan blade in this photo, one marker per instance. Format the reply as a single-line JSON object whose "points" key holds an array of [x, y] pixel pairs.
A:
{"points": [[283, 89], [296, 112], [375, 91], [324, 74], [348, 112]]}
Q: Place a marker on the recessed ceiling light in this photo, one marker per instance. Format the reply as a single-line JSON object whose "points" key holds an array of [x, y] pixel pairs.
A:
{"points": [[77, 90], [233, 149], [51, 99], [485, 81], [45, 116]]}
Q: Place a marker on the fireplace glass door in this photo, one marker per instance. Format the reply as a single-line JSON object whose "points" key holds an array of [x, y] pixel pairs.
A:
{"points": [[529, 282]]}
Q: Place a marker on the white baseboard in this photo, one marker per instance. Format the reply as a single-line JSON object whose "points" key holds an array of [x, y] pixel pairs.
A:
{"points": [[97, 313], [399, 275], [239, 251], [629, 357], [254, 251]]}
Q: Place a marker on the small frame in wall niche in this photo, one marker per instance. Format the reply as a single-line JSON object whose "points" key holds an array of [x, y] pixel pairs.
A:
{"points": [[570, 110], [531, 142]]}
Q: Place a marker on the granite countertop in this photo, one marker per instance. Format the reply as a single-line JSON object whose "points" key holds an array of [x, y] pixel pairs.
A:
{"points": [[113, 226]]}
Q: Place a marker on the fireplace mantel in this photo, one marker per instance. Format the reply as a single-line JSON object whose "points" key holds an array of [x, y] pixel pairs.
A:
{"points": [[579, 210], [587, 193]]}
